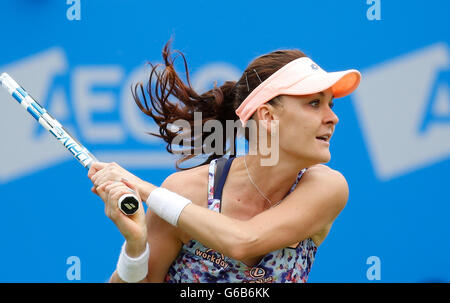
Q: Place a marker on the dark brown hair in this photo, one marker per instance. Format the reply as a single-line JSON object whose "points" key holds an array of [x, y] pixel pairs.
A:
{"points": [[218, 103]]}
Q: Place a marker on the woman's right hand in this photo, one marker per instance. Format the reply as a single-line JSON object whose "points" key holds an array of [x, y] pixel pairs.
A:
{"points": [[133, 227]]}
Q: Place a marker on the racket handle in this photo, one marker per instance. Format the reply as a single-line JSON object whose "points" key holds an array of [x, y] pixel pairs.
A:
{"points": [[128, 204]]}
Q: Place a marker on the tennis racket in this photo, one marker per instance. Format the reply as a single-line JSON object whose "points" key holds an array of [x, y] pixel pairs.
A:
{"points": [[128, 203]]}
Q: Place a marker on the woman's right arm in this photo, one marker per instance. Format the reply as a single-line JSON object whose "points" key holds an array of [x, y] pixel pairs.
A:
{"points": [[163, 239], [165, 244]]}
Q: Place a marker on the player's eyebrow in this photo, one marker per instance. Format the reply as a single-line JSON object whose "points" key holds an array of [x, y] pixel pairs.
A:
{"points": [[322, 94]]}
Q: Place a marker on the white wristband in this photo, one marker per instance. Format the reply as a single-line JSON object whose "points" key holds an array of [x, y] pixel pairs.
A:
{"points": [[166, 204], [133, 270]]}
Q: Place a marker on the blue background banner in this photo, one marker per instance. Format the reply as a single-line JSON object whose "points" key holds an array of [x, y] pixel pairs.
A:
{"points": [[80, 58]]}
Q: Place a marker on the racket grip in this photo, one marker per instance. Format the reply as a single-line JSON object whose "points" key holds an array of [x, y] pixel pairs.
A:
{"points": [[128, 204]]}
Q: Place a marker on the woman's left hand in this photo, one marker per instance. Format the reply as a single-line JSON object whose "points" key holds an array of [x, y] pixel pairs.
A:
{"points": [[101, 172]]}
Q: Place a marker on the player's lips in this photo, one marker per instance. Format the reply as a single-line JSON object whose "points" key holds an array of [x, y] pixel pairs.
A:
{"points": [[324, 142], [325, 137]]}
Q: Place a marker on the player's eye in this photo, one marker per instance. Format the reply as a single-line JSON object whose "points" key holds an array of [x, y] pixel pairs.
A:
{"points": [[315, 103]]}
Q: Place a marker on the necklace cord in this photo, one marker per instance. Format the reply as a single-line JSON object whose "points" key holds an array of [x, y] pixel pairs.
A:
{"points": [[257, 188]]}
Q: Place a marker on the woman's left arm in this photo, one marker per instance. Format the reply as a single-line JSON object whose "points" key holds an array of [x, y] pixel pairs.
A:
{"points": [[317, 200]]}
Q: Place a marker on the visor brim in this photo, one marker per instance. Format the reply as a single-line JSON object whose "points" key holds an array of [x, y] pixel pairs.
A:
{"points": [[342, 83]]}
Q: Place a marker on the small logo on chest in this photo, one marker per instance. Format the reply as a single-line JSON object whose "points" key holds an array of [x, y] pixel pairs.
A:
{"points": [[258, 273]]}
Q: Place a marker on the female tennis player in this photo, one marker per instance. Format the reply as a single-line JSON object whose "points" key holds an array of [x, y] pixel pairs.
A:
{"points": [[232, 219]]}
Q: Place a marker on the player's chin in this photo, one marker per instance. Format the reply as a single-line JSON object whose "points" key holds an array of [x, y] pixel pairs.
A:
{"points": [[322, 156], [317, 157]]}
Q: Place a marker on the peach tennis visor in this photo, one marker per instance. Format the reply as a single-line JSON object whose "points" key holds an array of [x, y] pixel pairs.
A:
{"points": [[299, 77]]}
